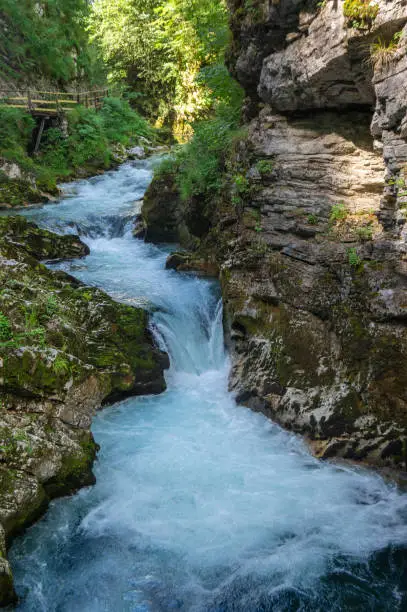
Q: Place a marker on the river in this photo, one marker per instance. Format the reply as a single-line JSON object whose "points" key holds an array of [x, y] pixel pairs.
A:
{"points": [[200, 504]]}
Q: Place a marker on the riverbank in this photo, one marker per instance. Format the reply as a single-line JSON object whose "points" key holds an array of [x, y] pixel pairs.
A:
{"points": [[314, 294], [80, 144], [199, 503], [65, 349]]}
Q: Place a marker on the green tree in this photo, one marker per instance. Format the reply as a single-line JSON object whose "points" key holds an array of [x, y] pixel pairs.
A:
{"points": [[164, 50], [46, 38]]}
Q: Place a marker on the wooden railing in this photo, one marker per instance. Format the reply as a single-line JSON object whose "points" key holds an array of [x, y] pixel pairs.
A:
{"points": [[51, 102]]}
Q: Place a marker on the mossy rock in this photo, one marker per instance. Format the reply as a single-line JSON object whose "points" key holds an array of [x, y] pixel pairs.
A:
{"points": [[65, 349], [40, 243], [18, 193], [76, 468]]}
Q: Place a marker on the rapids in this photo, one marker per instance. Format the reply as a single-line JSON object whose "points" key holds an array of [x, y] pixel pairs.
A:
{"points": [[200, 505]]}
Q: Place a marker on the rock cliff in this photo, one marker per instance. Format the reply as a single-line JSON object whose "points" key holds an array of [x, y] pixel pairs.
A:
{"points": [[65, 349], [309, 233]]}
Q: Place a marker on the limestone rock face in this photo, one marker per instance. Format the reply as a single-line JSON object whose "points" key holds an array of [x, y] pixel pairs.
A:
{"points": [[259, 29], [316, 301], [313, 252], [314, 289], [64, 350]]}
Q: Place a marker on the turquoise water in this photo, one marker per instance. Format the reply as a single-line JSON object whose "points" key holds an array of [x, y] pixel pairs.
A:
{"points": [[200, 505]]}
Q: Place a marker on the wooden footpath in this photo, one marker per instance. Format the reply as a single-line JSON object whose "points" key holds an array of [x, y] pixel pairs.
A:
{"points": [[48, 104], [51, 103]]}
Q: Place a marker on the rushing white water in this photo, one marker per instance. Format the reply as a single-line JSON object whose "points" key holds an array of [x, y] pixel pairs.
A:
{"points": [[200, 505]]}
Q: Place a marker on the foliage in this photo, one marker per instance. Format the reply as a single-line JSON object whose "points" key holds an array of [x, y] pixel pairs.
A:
{"points": [[61, 365], [122, 124], [401, 184], [87, 140], [382, 52], [90, 138], [312, 219], [170, 52], [241, 184], [5, 328], [360, 13], [51, 305], [365, 232], [200, 160], [265, 166], [338, 212], [200, 163], [353, 258], [15, 132], [48, 39]]}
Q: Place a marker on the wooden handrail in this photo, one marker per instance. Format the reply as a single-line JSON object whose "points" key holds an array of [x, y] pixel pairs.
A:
{"points": [[36, 104]]}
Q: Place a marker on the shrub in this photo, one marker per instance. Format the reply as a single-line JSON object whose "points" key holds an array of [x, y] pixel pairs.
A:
{"points": [[5, 328], [122, 123], [338, 212], [87, 140], [360, 13], [54, 160], [353, 258], [16, 128], [382, 52], [200, 162]]}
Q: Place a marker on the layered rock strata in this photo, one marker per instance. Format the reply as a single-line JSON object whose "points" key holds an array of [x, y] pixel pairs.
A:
{"points": [[312, 252]]}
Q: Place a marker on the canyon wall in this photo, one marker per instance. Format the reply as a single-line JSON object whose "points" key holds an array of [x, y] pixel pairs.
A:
{"points": [[309, 234]]}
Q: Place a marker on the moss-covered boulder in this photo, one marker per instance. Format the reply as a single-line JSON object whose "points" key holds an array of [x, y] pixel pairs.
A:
{"points": [[18, 194], [65, 349], [39, 242]]}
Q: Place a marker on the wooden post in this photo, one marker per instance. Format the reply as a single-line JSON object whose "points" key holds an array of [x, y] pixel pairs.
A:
{"points": [[39, 136], [29, 104]]}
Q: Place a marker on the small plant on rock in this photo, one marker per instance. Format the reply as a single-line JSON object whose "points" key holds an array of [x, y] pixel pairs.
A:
{"points": [[360, 13], [353, 258], [51, 306], [365, 232], [61, 365], [339, 212], [5, 328], [312, 219], [37, 336], [401, 184], [241, 184], [265, 166], [382, 52]]}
